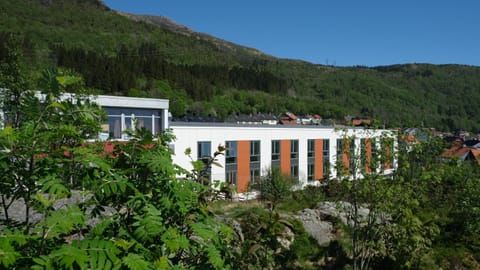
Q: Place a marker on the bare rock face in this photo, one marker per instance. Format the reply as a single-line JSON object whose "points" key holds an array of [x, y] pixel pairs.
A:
{"points": [[320, 222], [321, 230]]}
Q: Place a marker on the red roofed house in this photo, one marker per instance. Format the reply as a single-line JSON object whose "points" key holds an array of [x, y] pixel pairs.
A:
{"points": [[463, 152], [288, 118]]}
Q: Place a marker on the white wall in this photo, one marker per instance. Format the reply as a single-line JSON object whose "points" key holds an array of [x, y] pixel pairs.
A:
{"points": [[188, 134]]}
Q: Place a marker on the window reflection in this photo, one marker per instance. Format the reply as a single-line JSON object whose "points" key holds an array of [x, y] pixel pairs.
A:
{"points": [[121, 119]]}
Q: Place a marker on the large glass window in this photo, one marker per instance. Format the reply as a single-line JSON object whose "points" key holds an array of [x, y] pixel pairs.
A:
{"points": [[204, 153], [231, 152], [231, 177], [363, 154], [204, 150], [113, 127], [311, 160], [339, 150], [352, 158], [311, 172], [311, 148], [254, 151], [294, 149], [275, 150], [254, 176], [294, 171], [326, 158], [121, 119]]}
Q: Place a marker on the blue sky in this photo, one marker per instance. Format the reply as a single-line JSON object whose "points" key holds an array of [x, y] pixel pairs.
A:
{"points": [[335, 32]]}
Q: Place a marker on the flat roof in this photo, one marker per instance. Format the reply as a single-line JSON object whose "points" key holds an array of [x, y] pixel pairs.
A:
{"points": [[230, 124], [119, 101], [131, 102]]}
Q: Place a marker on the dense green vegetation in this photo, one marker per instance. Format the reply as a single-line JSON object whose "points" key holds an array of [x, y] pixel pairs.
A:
{"points": [[203, 75]]}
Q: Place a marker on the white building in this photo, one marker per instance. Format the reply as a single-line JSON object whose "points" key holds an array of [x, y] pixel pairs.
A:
{"points": [[307, 153], [124, 112]]}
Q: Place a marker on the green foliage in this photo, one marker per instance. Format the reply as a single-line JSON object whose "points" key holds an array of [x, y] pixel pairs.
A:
{"points": [[131, 213], [274, 187], [308, 197], [261, 230]]}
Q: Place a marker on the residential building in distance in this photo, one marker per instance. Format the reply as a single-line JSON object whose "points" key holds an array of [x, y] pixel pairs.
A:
{"points": [[307, 153], [126, 112]]}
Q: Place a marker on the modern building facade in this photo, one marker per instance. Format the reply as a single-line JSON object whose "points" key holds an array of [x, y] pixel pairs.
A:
{"points": [[126, 112], [308, 154]]}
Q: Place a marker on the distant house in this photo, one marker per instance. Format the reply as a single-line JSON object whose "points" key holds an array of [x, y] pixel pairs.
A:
{"points": [[268, 119], [462, 134], [309, 119], [288, 118], [361, 122], [417, 135], [469, 150], [253, 119], [304, 119], [244, 119], [316, 119]]}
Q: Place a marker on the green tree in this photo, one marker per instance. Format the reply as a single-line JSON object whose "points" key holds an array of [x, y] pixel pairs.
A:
{"points": [[384, 218], [274, 187], [131, 212]]}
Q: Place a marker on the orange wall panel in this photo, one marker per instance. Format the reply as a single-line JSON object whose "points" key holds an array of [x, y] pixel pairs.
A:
{"points": [[285, 162], [345, 156], [243, 165], [388, 153], [318, 174]]}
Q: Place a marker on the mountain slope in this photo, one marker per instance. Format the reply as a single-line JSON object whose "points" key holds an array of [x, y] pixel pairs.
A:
{"points": [[153, 56]]}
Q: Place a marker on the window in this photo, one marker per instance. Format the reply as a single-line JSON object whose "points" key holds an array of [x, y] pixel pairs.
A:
{"points": [[294, 149], [294, 171], [204, 150], [254, 176], [311, 148], [231, 177], [326, 158], [339, 150], [204, 154], [363, 153], [311, 160], [352, 157], [311, 172], [254, 151], [231, 152], [121, 119], [275, 150]]}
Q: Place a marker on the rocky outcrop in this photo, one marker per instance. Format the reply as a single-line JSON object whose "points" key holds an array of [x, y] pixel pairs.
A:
{"points": [[321, 230], [321, 222]]}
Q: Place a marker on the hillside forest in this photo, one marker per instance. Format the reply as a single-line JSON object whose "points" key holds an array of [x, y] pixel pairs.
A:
{"points": [[125, 54]]}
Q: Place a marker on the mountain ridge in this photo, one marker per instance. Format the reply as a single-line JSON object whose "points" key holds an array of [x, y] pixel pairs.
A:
{"points": [[167, 23], [152, 56]]}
